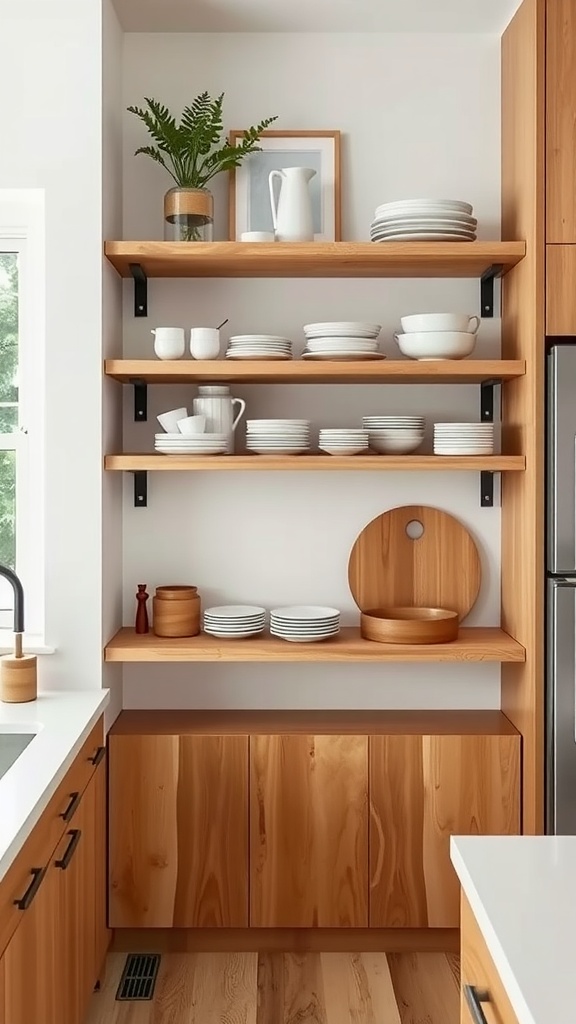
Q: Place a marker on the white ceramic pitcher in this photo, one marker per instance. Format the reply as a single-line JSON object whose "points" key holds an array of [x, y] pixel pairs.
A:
{"points": [[217, 405], [292, 217]]}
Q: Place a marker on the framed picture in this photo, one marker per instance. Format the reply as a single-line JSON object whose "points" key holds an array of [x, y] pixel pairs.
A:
{"points": [[249, 193]]}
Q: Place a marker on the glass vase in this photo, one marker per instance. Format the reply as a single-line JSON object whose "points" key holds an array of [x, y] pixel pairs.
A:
{"points": [[188, 215]]}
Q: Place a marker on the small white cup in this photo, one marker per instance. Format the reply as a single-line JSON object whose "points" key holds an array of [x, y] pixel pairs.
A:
{"points": [[257, 236], [192, 425], [169, 342], [169, 420], [204, 343]]}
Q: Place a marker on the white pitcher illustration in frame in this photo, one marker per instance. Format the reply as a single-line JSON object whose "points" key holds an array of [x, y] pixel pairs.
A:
{"points": [[292, 216]]}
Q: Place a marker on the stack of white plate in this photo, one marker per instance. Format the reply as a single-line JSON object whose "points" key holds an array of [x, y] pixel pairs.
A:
{"points": [[424, 220], [463, 438], [304, 623], [343, 441], [394, 435], [235, 621], [191, 444], [343, 340], [278, 437], [259, 346]]}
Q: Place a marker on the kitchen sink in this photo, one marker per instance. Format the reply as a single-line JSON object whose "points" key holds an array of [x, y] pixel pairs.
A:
{"points": [[12, 744]]}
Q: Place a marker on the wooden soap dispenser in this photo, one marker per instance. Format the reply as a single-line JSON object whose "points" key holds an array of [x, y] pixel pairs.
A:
{"points": [[18, 676]]}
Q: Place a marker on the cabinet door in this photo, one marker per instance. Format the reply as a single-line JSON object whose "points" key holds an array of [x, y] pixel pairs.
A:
{"points": [[423, 789], [560, 119], [178, 831], [31, 959], [309, 831], [478, 971], [561, 290]]}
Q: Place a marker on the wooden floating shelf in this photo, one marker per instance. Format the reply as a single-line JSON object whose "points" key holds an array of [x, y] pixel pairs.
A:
{"points": [[314, 259], [304, 463], [295, 371], [479, 643]]}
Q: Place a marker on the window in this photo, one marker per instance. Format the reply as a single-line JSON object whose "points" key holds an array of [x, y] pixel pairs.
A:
{"points": [[21, 402]]}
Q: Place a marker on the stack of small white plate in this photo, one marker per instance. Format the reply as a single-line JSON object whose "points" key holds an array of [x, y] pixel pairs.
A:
{"points": [[304, 623], [234, 620], [342, 340], [394, 435], [343, 441], [191, 444], [463, 438], [424, 220], [278, 437], [259, 346]]}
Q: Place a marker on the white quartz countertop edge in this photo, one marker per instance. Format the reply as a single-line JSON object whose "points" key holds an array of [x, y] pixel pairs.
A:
{"points": [[62, 721]]}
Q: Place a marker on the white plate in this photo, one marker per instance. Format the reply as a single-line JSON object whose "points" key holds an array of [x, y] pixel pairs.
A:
{"points": [[346, 357], [263, 357], [279, 451], [423, 237], [237, 636], [305, 639], [230, 611], [305, 611], [206, 451], [341, 344], [343, 325], [400, 223], [400, 204], [260, 337], [286, 422], [346, 452], [426, 214], [185, 437]]}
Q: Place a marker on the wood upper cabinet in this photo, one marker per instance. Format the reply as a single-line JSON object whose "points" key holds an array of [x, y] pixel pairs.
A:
{"points": [[422, 790], [178, 813], [308, 831], [561, 290], [560, 121]]}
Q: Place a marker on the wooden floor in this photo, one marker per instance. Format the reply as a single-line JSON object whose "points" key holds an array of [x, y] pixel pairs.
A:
{"points": [[289, 988]]}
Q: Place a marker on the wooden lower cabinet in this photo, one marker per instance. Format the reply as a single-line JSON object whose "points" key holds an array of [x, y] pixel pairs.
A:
{"points": [[560, 291], [308, 831], [423, 789], [478, 972], [178, 818]]}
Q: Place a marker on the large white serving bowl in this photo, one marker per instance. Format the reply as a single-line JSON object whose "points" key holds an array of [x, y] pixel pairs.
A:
{"points": [[428, 345], [394, 446], [426, 322]]}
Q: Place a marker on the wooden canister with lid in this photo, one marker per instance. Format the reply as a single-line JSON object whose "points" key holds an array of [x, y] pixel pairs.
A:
{"points": [[176, 611]]}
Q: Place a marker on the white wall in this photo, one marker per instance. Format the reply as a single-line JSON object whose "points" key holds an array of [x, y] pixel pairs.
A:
{"points": [[420, 116]]}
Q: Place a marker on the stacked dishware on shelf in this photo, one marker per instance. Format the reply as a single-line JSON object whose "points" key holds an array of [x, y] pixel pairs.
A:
{"points": [[424, 220], [267, 347], [278, 437], [304, 623], [342, 340], [463, 438], [234, 621], [343, 441], [428, 336], [394, 435], [195, 444]]}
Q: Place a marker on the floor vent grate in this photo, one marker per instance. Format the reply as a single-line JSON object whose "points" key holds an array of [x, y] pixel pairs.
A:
{"points": [[138, 977]]}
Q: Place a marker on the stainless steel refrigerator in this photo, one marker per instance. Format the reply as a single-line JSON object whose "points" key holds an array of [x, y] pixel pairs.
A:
{"points": [[561, 590]]}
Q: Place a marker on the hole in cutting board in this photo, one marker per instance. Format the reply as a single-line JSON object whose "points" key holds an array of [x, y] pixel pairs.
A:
{"points": [[414, 529]]}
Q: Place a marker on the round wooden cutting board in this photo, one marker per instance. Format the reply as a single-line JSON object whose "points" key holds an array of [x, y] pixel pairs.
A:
{"points": [[439, 569]]}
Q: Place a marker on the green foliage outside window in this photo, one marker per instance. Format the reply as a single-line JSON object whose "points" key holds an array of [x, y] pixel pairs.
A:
{"points": [[8, 394]]}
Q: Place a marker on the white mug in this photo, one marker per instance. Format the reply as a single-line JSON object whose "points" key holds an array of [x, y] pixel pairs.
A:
{"points": [[204, 343], [257, 236], [192, 425], [169, 420], [169, 342]]}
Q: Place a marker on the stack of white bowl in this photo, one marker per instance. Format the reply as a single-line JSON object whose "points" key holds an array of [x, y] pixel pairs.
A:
{"points": [[234, 621], [394, 435], [259, 346], [428, 336], [463, 438], [304, 623], [343, 441], [278, 437], [194, 444], [424, 220], [342, 339]]}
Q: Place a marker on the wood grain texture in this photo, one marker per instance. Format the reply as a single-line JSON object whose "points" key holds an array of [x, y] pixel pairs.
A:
{"points": [[426, 988], [178, 831], [308, 831], [358, 988], [478, 969], [560, 291], [560, 120], [98, 809], [314, 463], [474, 643], [297, 371], [286, 940], [522, 587], [313, 259], [423, 790]]}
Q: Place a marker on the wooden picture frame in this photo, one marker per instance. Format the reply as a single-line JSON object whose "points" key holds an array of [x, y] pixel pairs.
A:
{"points": [[327, 189]]}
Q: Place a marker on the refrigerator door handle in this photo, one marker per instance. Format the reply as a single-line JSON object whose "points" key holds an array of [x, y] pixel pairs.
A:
{"points": [[561, 708]]}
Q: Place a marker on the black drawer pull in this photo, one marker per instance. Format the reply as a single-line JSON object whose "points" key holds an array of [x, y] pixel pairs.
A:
{"points": [[475, 997], [98, 756], [37, 879], [71, 808], [65, 860]]}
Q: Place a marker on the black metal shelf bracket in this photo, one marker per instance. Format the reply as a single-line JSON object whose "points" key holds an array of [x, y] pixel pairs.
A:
{"points": [[140, 289], [140, 488], [487, 289], [487, 400], [486, 489], [140, 400]]}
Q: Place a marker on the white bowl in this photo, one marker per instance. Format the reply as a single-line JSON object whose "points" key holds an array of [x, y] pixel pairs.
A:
{"points": [[430, 345], [394, 446], [440, 322], [343, 450]]}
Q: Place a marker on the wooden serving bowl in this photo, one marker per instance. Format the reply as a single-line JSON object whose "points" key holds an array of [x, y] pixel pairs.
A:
{"points": [[409, 625]]}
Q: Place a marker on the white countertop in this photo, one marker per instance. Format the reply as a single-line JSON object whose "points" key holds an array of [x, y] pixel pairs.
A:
{"points": [[522, 890], [62, 721]]}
